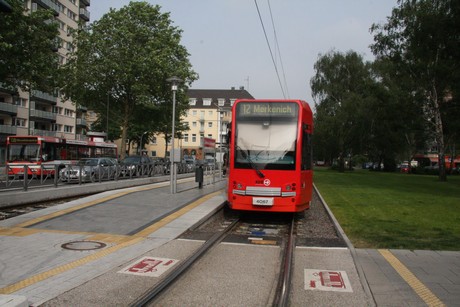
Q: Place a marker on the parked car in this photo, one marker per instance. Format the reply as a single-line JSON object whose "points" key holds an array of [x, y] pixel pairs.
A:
{"points": [[404, 167], [136, 166], [89, 169]]}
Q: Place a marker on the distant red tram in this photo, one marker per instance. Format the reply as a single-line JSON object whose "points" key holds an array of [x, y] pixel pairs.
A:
{"points": [[270, 157]]}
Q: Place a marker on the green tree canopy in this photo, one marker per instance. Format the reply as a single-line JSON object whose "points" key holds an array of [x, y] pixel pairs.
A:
{"points": [[421, 39], [127, 56], [339, 88], [27, 48]]}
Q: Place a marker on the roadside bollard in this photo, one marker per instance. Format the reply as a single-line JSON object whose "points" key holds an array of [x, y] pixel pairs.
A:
{"points": [[199, 176]]}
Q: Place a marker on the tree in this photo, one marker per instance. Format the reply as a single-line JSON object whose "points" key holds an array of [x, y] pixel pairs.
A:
{"points": [[27, 48], [421, 38], [339, 87], [127, 55]]}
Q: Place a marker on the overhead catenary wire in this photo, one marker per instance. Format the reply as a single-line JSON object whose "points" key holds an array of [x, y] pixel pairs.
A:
{"points": [[270, 49], [278, 48]]}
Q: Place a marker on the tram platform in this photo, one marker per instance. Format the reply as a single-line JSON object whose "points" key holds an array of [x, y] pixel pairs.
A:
{"points": [[80, 246]]}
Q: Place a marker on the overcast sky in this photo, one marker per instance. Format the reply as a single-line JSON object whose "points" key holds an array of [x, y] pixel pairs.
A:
{"points": [[228, 48]]}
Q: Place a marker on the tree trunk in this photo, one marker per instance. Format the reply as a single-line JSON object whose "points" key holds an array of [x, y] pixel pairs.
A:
{"points": [[439, 136]]}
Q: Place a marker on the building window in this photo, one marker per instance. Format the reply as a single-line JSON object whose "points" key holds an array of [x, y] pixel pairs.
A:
{"points": [[61, 7], [186, 138], [232, 101], [20, 122], [71, 15], [193, 124], [68, 112], [68, 129], [56, 127], [21, 102], [210, 113], [210, 124], [210, 136], [193, 137], [221, 102], [153, 153], [192, 101], [207, 101], [154, 140], [57, 110]]}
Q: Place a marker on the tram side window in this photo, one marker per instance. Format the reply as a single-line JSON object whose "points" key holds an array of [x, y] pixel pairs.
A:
{"points": [[83, 152], [72, 152], [306, 151], [49, 152]]}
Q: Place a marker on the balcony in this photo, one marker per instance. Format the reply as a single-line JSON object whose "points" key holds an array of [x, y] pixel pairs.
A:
{"points": [[86, 2], [8, 108], [43, 132], [42, 115], [82, 109], [7, 129], [47, 4], [81, 122], [45, 97], [81, 137], [84, 14]]}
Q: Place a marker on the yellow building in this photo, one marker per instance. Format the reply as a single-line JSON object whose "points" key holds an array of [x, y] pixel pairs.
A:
{"points": [[208, 117]]}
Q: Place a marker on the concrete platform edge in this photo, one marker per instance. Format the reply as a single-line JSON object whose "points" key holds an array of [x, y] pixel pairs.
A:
{"points": [[359, 268]]}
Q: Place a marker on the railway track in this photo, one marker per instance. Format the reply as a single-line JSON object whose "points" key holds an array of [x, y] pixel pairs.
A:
{"points": [[269, 238]]}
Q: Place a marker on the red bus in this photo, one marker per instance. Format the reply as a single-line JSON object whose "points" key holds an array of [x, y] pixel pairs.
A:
{"points": [[41, 153], [270, 157]]}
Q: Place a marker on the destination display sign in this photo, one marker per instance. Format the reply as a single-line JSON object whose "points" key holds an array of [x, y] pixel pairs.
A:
{"points": [[23, 140], [263, 109]]}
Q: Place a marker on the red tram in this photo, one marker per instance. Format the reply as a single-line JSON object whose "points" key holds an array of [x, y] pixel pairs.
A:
{"points": [[270, 157]]}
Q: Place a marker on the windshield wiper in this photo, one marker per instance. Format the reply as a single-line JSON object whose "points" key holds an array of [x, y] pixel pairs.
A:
{"points": [[254, 167]]}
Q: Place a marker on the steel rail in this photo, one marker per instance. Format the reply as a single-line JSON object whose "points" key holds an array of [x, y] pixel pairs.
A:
{"points": [[284, 281], [151, 294]]}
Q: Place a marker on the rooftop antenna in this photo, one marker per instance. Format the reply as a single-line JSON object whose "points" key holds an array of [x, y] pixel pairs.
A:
{"points": [[247, 82]]}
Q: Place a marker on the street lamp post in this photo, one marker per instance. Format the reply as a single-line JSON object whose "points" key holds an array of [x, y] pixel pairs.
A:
{"points": [[140, 145], [172, 171], [221, 117]]}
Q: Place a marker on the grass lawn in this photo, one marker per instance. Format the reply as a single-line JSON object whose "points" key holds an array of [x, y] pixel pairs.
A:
{"points": [[392, 210]]}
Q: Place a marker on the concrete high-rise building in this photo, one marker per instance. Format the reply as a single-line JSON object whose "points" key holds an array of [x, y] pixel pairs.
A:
{"points": [[39, 113]]}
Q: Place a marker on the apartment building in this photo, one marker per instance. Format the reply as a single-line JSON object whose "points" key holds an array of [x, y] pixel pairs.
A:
{"points": [[208, 117], [39, 113]]}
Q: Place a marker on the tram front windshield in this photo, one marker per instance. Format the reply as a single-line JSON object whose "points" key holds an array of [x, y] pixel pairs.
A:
{"points": [[266, 135], [23, 152]]}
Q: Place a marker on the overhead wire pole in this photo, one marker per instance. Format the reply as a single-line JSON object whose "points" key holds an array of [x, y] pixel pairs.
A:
{"points": [[270, 49]]}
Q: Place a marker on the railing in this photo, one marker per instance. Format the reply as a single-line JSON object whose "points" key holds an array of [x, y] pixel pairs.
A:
{"points": [[8, 129], [8, 107], [43, 132], [44, 96], [84, 14], [43, 114], [24, 176]]}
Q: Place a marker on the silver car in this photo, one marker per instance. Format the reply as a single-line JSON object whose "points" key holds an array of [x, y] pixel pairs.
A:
{"points": [[89, 169]]}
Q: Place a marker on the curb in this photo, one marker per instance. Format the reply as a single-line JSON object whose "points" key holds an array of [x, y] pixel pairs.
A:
{"points": [[341, 233]]}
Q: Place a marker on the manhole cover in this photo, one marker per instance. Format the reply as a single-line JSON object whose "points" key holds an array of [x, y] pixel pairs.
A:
{"points": [[83, 245]]}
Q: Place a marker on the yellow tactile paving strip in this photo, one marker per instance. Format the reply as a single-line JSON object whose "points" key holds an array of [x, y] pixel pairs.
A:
{"points": [[120, 241], [422, 291]]}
